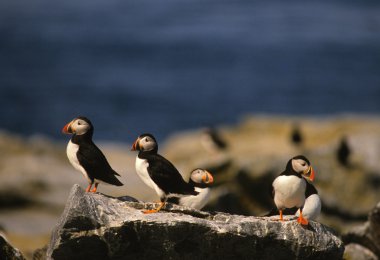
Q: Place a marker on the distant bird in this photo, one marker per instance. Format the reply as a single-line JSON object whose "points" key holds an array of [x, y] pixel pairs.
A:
{"points": [[289, 188], [86, 157], [343, 152], [296, 136], [201, 180], [212, 141], [157, 172], [313, 204]]}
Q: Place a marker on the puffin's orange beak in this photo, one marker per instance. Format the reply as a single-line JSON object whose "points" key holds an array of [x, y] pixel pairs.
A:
{"points": [[207, 178], [67, 128], [310, 174], [136, 145]]}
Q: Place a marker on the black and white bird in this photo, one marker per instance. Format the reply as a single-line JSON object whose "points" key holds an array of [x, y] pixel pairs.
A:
{"points": [[296, 135], [289, 188], [212, 141], [86, 157], [311, 208], [343, 152], [157, 172], [313, 204], [201, 180]]}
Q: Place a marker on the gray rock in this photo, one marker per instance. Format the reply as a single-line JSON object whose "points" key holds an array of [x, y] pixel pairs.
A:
{"points": [[367, 235], [95, 226], [8, 252], [358, 252]]}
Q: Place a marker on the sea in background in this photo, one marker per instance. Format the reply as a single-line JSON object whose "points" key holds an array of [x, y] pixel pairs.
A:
{"points": [[171, 65]]}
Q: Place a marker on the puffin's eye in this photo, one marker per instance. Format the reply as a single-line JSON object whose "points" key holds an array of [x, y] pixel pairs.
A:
{"points": [[303, 164], [79, 123]]}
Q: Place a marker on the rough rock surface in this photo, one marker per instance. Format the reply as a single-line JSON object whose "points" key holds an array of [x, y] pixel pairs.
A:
{"points": [[367, 235], [8, 252], [358, 252], [95, 226]]}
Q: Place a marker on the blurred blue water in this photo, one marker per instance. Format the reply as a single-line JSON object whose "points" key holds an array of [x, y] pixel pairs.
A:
{"points": [[168, 65]]}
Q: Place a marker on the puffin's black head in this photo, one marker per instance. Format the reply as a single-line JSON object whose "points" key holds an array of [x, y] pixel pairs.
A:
{"points": [[79, 126], [300, 164], [145, 142], [201, 176]]}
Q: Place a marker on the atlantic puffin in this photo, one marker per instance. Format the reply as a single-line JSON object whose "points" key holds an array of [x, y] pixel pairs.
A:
{"points": [[313, 204], [289, 188], [343, 152], [311, 208], [296, 135], [157, 172], [85, 156], [201, 180], [212, 141]]}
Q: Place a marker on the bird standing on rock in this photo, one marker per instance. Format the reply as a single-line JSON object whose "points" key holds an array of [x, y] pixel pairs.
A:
{"points": [[86, 157], [201, 180], [157, 172], [289, 188]]}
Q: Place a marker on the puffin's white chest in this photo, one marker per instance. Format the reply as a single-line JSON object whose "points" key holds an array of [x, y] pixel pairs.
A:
{"points": [[71, 151], [289, 191], [198, 201], [142, 171]]}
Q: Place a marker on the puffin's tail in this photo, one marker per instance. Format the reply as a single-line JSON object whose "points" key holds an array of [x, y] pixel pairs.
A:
{"points": [[272, 212], [113, 180]]}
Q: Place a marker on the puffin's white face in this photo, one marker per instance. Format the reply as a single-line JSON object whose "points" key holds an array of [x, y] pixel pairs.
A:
{"points": [[300, 166], [201, 176], [303, 167], [146, 143], [77, 126]]}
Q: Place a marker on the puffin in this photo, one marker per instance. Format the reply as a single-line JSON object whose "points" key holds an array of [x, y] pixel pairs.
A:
{"points": [[343, 152], [86, 157], [212, 141], [311, 208], [289, 188], [201, 180], [296, 135], [157, 172]]}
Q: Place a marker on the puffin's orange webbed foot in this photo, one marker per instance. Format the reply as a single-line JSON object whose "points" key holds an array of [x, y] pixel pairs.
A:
{"points": [[95, 188], [88, 188], [149, 211], [303, 221]]}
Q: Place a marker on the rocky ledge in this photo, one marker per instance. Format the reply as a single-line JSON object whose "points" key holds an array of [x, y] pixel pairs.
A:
{"points": [[363, 242], [96, 226], [8, 252]]}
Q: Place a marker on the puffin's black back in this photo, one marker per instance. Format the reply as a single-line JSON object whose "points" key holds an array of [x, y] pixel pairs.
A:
{"points": [[93, 160], [165, 175], [310, 190]]}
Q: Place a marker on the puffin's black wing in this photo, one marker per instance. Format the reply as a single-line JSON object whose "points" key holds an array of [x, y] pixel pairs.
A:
{"points": [[310, 190], [96, 164], [167, 177]]}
